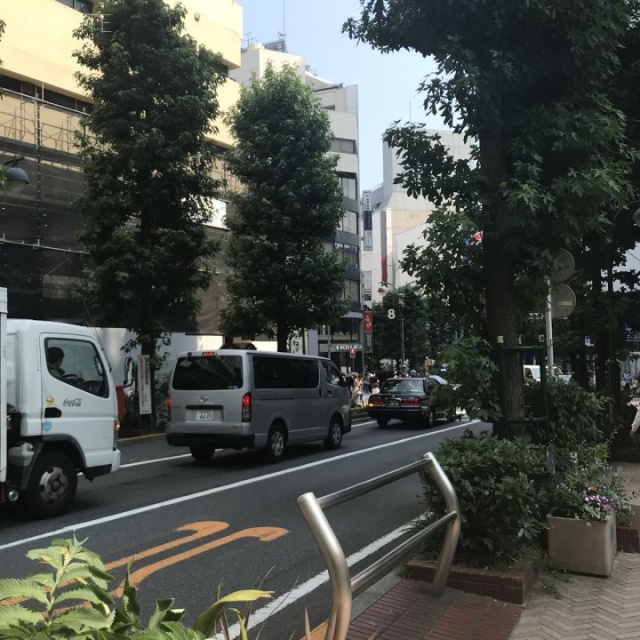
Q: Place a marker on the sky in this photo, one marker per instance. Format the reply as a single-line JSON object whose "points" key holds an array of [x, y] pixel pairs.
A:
{"points": [[387, 83]]}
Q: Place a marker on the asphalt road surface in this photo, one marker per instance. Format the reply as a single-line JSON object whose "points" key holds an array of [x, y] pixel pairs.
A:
{"points": [[198, 531]]}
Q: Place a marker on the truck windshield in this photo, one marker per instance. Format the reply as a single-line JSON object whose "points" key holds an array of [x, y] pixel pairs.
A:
{"points": [[208, 373]]}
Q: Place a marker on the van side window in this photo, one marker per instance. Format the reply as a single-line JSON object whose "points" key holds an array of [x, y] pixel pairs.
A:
{"points": [[273, 372], [78, 364], [208, 373], [333, 373]]}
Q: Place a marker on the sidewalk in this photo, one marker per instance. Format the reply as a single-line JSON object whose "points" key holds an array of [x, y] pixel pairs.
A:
{"points": [[587, 607]]}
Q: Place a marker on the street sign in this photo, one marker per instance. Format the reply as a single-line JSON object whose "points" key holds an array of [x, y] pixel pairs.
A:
{"points": [[563, 266], [563, 301]]}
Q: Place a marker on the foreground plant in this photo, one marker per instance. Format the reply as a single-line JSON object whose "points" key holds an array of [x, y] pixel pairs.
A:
{"points": [[71, 601]]}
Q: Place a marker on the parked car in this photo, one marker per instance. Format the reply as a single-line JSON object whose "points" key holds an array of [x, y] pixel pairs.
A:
{"points": [[409, 400], [532, 372]]}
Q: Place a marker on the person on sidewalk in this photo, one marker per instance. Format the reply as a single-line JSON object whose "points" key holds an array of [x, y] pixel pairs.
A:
{"points": [[636, 420]]}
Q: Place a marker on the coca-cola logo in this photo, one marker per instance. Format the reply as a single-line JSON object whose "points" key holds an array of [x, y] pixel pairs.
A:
{"points": [[72, 402]]}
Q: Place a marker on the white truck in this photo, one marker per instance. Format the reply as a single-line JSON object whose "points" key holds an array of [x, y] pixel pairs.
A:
{"points": [[58, 412]]}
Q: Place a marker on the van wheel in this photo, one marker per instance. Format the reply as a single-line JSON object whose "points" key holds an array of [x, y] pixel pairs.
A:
{"points": [[334, 437], [276, 443], [52, 486], [201, 453], [382, 422]]}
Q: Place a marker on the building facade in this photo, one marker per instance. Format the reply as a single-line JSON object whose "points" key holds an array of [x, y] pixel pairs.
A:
{"points": [[393, 220], [40, 112]]}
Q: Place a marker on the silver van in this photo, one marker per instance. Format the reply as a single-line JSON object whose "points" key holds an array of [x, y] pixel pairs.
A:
{"points": [[237, 399]]}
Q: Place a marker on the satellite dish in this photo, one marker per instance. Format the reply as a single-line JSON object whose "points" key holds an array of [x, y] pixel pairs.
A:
{"points": [[563, 266], [563, 301]]}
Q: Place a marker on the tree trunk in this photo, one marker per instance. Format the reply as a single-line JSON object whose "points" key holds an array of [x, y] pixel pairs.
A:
{"points": [[282, 337], [501, 304]]}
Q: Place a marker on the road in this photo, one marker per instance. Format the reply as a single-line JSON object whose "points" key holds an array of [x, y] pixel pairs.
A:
{"points": [[197, 531]]}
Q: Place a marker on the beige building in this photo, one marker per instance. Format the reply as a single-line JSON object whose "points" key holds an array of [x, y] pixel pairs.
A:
{"points": [[39, 113], [393, 220]]}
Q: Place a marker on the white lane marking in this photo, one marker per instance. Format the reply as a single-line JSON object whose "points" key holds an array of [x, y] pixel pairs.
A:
{"points": [[141, 462], [72, 528], [297, 593], [188, 455]]}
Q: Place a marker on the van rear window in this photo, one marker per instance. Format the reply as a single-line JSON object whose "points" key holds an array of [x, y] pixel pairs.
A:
{"points": [[208, 373]]}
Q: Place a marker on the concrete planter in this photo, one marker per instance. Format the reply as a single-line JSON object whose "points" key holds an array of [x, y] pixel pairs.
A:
{"points": [[582, 546]]}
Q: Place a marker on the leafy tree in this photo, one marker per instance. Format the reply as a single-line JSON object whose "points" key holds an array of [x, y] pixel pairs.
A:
{"points": [[528, 83], [426, 331], [283, 277], [148, 165]]}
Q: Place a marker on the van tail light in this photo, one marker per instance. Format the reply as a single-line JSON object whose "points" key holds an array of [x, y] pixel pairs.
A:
{"points": [[116, 429], [169, 402], [246, 407]]}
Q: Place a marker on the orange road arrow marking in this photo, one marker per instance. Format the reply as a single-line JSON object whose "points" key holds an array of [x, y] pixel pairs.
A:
{"points": [[264, 534], [200, 529]]}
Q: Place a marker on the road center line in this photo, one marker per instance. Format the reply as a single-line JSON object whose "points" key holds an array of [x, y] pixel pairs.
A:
{"points": [[73, 528]]}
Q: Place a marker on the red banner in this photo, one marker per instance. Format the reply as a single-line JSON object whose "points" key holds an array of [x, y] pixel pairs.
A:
{"points": [[367, 317]]}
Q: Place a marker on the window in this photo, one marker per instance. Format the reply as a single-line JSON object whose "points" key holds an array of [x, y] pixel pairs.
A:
{"points": [[273, 372], [349, 253], [208, 373], [349, 222], [332, 372], [85, 6], [342, 145], [349, 186], [78, 364]]}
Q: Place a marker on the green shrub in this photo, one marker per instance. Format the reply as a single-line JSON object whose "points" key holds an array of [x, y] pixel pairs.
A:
{"points": [[576, 416], [71, 602], [471, 368], [499, 484]]}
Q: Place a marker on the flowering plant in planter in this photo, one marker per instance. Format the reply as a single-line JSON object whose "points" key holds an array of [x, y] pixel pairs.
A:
{"points": [[590, 490], [586, 502]]}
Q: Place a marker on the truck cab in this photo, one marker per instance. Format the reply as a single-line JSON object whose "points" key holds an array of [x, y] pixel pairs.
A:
{"points": [[62, 415]]}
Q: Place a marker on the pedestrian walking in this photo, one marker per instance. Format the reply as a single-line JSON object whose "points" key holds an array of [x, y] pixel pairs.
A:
{"points": [[356, 390]]}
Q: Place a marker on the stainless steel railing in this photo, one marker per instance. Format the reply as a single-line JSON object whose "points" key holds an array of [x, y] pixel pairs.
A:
{"points": [[343, 586]]}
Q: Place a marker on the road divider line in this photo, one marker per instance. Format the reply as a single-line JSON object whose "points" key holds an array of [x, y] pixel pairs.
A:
{"points": [[80, 526]]}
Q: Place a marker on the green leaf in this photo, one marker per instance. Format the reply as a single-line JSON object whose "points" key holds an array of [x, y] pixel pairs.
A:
{"points": [[22, 588], [14, 614]]}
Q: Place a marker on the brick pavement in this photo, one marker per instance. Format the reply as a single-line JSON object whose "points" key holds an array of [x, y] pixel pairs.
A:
{"points": [[588, 608]]}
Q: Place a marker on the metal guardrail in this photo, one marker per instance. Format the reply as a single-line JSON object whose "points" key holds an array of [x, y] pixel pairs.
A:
{"points": [[343, 587]]}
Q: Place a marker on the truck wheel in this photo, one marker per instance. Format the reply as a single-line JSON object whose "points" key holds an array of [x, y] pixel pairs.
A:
{"points": [[276, 443], [201, 453], [52, 486], [334, 437]]}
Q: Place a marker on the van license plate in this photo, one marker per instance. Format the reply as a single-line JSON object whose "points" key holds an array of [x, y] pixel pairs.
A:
{"points": [[207, 416]]}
